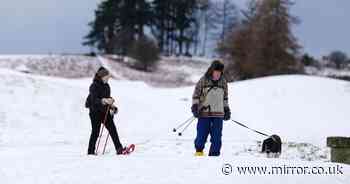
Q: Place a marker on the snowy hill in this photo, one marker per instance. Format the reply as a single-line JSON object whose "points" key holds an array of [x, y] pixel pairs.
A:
{"points": [[44, 130], [171, 72], [67, 66]]}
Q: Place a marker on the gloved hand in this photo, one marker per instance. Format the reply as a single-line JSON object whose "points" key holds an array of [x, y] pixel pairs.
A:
{"points": [[113, 110], [195, 111], [227, 115], [107, 101]]}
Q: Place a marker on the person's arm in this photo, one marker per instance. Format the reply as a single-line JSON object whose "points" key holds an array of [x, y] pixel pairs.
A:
{"points": [[197, 92], [196, 98], [108, 100], [226, 94], [227, 111]]}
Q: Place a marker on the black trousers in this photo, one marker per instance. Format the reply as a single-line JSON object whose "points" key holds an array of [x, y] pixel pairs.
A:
{"points": [[96, 121]]}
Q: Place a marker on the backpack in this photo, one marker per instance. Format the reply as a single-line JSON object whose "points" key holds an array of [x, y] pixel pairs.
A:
{"points": [[88, 101]]}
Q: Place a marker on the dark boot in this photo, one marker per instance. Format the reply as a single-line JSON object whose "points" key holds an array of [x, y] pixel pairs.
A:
{"points": [[121, 151], [213, 154], [92, 153]]}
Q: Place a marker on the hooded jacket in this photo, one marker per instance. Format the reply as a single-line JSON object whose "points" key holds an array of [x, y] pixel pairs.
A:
{"points": [[98, 90], [211, 96]]}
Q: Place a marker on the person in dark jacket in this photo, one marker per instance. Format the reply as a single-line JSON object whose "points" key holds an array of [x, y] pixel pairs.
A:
{"points": [[210, 106], [99, 101]]}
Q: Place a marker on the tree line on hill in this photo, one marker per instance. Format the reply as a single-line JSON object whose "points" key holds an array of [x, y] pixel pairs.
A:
{"points": [[255, 41]]}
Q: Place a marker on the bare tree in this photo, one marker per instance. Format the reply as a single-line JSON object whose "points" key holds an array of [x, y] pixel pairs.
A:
{"points": [[225, 17]]}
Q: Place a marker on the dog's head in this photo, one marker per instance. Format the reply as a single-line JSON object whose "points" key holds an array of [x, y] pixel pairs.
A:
{"points": [[273, 144]]}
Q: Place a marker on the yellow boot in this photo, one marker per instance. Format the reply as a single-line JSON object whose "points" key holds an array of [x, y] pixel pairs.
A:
{"points": [[199, 154]]}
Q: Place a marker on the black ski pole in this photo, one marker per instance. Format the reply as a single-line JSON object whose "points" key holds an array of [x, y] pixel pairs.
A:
{"points": [[189, 123], [184, 123]]}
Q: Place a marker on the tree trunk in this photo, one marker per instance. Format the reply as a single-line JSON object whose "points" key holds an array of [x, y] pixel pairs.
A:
{"points": [[180, 41]]}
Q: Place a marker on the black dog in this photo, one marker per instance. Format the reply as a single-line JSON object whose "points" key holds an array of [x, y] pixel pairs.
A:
{"points": [[272, 146]]}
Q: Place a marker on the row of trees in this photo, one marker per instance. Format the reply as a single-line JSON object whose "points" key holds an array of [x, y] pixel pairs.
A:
{"points": [[254, 42], [117, 24], [179, 27], [336, 59]]}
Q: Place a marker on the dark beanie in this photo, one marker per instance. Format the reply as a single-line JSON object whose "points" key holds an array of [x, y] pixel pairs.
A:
{"points": [[102, 72], [217, 65]]}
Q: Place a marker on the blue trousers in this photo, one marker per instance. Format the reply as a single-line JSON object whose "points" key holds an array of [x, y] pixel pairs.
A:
{"points": [[212, 126]]}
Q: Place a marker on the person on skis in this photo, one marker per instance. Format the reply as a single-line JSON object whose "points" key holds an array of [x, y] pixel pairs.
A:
{"points": [[101, 105], [210, 106]]}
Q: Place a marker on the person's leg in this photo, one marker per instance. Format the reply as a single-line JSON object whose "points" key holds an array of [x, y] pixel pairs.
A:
{"points": [[113, 133], [202, 133], [95, 131], [215, 136]]}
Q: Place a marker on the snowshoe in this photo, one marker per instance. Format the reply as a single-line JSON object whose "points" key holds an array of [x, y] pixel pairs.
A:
{"points": [[126, 150]]}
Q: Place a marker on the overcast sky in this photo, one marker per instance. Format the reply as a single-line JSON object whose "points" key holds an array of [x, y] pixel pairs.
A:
{"points": [[57, 26]]}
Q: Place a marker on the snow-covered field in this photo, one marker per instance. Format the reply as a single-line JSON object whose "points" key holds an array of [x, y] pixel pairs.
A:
{"points": [[328, 72], [44, 131]]}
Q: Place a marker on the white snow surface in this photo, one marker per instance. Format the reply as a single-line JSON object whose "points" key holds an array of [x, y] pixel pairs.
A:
{"points": [[44, 131]]}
